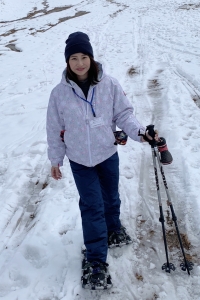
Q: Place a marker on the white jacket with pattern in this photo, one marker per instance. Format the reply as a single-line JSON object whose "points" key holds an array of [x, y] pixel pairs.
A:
{"points": [[86, 141]]}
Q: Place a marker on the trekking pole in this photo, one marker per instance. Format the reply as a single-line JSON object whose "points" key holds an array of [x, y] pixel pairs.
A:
{"points": [[166, 266], [186, 265]]}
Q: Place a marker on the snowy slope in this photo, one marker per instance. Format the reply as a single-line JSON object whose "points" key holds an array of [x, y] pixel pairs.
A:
{"points": [[152, 48]]}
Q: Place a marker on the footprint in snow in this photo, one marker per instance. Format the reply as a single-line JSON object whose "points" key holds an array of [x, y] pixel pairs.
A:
{"points": [[36, 257], [14, 282]]}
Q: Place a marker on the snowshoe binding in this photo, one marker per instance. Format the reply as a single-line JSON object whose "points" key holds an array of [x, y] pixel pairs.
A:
{"points": [[95, 275], [119, 238]]}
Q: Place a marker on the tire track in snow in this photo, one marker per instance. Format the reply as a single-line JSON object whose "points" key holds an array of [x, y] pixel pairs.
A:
{"points": [[174, 172], [179, 190], [151, 249], [30, 245], [21, 221], [149, 227], [191, 87]]}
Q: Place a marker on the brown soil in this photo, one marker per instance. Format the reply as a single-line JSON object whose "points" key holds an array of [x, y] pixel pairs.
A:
{"points": [[139, 277], [189, 6], [13, 48], [39, 13], [132, 71], [173, 242]]}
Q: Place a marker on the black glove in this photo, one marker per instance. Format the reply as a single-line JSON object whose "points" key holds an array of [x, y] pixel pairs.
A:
{"points": [[120, 138], [149, 132], [165, 155]]}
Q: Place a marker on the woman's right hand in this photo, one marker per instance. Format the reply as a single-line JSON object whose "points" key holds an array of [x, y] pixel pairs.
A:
{"points": [[56, 173]]}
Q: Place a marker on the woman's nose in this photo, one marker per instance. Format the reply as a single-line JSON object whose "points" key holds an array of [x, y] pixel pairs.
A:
{"points": [[80, 62]]}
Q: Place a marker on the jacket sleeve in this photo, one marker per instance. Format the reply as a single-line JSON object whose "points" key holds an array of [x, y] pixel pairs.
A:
{"points": [[123, 113], [54, 125]]}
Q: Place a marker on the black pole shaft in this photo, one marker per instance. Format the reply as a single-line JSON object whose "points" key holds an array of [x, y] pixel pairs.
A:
{"points": [[161, 219], [174, 218]]}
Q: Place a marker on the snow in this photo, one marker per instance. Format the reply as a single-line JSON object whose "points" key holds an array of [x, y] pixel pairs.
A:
{"points": [[40, 224]]}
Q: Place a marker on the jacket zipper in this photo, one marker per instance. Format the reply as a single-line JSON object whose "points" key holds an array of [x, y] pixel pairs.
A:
{"points": [[88, 134]]}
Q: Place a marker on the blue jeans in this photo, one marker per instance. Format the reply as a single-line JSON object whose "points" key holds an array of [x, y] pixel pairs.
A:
{"points": [[99, 204]]}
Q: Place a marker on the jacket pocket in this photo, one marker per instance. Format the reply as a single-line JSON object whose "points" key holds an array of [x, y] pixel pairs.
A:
{"points": [[109, 137]]}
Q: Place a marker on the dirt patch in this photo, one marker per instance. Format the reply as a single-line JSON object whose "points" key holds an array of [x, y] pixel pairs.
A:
{"points": [[39, 13], [170, 222], [63, 232], [45, 184], [12, 31], [113, 2], [50, 25], [139, 277], [119, 10], [189, 6], [154, 88], [13, 47], [45, 3], [153, 83], [12, 41], [116, 13], [78, 14], [173, 242], [132, 71], [196, 99], [174, 245]]}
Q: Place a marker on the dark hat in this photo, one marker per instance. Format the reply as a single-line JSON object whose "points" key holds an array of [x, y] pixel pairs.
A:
{"points": [[78, 42]]}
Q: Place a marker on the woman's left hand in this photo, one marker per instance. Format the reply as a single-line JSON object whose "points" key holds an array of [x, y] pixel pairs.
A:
{"points": [[56, 173]]}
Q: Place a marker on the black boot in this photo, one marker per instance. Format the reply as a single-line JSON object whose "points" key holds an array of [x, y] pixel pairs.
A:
{"points": [[118, 238], [165, 155]]}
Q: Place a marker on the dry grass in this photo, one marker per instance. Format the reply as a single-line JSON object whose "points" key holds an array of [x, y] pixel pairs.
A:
{"points": [[45, 184], [196, 99], [132, 71], [173, 242], [39, 13], [139, 277], [189, 6]]}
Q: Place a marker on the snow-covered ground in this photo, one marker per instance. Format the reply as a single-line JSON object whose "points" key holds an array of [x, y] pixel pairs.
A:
{"points": [[152, 48]]}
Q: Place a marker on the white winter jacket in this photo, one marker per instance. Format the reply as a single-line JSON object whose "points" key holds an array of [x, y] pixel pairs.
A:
{"points": [[88, 140]]}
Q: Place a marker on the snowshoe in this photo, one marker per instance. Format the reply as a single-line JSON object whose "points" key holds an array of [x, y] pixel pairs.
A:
{"points": [[95, 275], [118, 238]]}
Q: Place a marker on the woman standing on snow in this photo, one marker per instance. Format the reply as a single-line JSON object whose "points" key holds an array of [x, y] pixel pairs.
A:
{"points": [[85, 108]]}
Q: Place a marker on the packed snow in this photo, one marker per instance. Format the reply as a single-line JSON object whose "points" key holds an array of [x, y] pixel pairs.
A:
{"points": [[152, 48]]}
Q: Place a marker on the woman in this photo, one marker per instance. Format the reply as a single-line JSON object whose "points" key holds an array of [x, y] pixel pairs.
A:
{"points": [[84, 108]]}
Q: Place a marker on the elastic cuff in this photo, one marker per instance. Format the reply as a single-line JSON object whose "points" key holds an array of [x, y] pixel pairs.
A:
{"points": [[54, 164]]}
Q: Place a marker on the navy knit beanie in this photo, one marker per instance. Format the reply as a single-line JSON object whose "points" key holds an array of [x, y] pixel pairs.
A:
{"points": [[78, 42]]}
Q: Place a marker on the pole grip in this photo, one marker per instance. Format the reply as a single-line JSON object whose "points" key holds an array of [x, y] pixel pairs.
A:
{"points": [[150, 129]]}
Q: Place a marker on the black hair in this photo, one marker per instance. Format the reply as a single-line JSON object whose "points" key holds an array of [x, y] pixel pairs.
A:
{"points": [[92, 73]]}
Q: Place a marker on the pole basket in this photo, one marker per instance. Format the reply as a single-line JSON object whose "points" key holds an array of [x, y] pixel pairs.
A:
{"points": [[168, 267]]}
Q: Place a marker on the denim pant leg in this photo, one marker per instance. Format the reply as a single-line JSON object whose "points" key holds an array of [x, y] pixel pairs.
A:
{"points": [[92, 211], [108, 172]]}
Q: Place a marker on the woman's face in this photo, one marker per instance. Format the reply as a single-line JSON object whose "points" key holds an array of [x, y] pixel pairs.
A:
{"points": [[80, 65]]}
